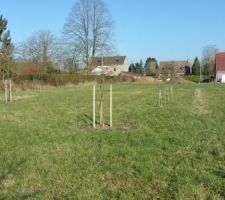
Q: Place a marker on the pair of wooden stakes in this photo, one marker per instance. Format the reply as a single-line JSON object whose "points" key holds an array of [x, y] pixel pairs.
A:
{"points": [[8, 90], [102, 125], [168, 96]]}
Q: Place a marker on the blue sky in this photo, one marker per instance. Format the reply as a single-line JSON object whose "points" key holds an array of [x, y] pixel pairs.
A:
{"points": [[165, 29]]}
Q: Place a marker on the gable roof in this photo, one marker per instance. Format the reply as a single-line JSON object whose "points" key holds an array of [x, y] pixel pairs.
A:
{"points": [[177, 64], [220, 61], [109, 61]]}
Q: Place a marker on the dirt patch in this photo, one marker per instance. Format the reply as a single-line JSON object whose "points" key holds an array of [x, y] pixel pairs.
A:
{"points": [[147, 80], [199, 105]]}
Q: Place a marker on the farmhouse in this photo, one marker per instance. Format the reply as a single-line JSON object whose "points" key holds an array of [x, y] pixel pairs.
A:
{"points": [[178, 67], [220, 66], [111, 66]]}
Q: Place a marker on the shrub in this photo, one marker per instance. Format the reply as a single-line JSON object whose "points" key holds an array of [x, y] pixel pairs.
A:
{"points": [[66, 78], [195, 78]]}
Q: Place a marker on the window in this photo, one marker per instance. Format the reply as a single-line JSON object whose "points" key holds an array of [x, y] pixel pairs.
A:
{"points": [[114, 69]]}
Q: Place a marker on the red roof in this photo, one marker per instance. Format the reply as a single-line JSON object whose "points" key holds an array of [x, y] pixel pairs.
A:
{"points": [[220, 61], [109, 61]]}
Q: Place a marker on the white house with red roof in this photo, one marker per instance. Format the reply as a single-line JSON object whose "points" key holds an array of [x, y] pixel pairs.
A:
{"points": [[110, 66]]}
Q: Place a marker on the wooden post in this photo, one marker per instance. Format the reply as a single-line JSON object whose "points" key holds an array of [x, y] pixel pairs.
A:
{"points": [[101, 106], [6, 91], [171, 92], [111, 123], [94, 106], [160, 98], [165, 97], [10, 90]]}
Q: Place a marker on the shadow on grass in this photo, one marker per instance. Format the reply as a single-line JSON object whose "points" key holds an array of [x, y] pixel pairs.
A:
{"points": [[11, 170], [85, 120]]}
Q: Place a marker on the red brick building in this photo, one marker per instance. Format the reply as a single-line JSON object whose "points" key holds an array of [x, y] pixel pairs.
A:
{"points": [[220, 66]]}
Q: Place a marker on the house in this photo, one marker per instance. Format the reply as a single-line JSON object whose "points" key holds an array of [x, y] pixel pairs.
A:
{"points": [[177, 67], [220, 66], [111, 66]]}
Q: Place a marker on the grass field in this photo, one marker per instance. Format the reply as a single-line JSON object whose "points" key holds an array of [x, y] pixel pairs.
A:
{"points": [[48, 149]]}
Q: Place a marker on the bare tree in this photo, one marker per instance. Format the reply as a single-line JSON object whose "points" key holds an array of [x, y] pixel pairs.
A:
{"points": [[40, 49], [208, 60], [67, 57], [89, 30]]}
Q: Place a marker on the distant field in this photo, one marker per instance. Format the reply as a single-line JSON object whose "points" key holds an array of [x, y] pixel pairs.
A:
{"points": [[48, 149]]}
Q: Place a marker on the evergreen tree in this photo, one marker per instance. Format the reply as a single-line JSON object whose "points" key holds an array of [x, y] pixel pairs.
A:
{"points": [[132, 68], [137, 68], [6, 48], [196, 67]]}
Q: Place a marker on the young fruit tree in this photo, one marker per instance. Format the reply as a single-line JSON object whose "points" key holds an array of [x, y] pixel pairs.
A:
{"points": [[102, 125], [6, 51]]}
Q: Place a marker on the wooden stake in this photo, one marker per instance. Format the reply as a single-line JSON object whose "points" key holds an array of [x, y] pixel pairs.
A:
{"points": [[165, 97], [111, 123], [94, 106], [101, 107], [10, 90], [171, 92], [6, 91], [160, 98]]}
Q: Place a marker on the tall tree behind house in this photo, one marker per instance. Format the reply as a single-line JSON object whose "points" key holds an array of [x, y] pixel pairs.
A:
{"points": [[89, 30]]}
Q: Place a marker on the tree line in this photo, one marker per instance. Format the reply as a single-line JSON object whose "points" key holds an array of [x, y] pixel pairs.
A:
{"points": [[87, 33], [205, 67], [150, 68]]}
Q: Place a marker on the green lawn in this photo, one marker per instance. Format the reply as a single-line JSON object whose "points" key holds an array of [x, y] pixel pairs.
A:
{"points": [[48, 149]]}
